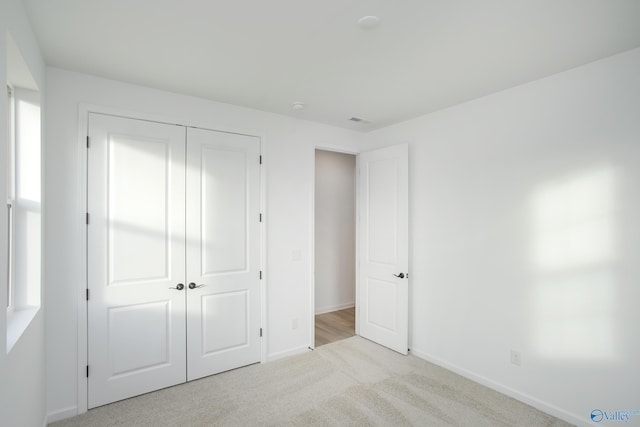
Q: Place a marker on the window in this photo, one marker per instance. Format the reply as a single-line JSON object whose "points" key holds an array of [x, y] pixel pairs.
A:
{"points": [[23, 194]]}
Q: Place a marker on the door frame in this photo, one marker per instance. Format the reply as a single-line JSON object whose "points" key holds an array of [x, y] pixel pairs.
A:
{"points": [[82, 315], [312, 239]]}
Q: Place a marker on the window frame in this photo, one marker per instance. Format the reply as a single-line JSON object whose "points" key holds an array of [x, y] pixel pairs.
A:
{"points": [[11, 194]]}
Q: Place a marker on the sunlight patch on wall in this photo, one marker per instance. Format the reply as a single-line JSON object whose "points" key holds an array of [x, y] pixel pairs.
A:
{"points": [[573, 247], [574, 316], [572, 222]]}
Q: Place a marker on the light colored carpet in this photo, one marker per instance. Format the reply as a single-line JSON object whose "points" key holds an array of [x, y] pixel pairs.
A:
{"points": [[350, 382]]}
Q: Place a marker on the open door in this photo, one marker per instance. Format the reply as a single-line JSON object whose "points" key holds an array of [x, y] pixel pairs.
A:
{"points": [[383, 282]]}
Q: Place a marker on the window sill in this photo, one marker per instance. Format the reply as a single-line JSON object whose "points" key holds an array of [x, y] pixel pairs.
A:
{"points": [[17, 322]]}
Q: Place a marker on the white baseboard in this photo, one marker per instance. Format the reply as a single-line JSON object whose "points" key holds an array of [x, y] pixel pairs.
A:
{"points": [[329, 309], [61, 414], [522, 397], [287, 353]]}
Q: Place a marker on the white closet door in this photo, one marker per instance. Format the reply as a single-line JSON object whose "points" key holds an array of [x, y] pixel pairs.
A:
{"points": [[136, 320], [223, 296], [384, 242]]}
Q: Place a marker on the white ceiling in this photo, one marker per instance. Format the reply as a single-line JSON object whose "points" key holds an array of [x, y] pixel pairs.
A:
{"points": [[424, 56]]}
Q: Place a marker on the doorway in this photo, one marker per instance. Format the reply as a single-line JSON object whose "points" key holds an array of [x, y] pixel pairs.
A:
{"points": [[335, 246]]}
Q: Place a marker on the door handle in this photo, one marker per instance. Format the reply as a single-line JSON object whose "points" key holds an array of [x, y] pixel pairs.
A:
{"points": [[402, 276], [193, 285], [179, 287]]}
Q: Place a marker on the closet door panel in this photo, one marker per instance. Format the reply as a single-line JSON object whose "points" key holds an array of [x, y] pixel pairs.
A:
{"points": [[136, 253], [223, 308]]}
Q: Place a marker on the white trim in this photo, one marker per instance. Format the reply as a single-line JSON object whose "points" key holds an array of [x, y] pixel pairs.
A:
{"points": [[61, 414], [312, 250], [522, 397], [131, 114], [333, 308], [288, 353], [357, 237], [263, 250], [83, 130], [334, 149]]}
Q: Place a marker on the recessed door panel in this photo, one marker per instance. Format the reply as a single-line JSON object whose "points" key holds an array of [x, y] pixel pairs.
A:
{"points": [[138, 208], [222, 251], [223, 210], [381, 304], [136, 257], [139, 337], [382, 211], [231, 310]]}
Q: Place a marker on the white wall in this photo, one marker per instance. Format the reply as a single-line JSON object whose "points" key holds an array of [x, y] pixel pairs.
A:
{"points": [[335, 231], [22, 370], [289, 161], [525, 235]]}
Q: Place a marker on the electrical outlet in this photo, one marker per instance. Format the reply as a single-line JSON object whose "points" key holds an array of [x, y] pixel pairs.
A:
{"points": [[516, 357], [294, 323]]}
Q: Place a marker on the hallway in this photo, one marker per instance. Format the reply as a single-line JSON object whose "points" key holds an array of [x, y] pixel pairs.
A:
{"points": [[335, 326]]}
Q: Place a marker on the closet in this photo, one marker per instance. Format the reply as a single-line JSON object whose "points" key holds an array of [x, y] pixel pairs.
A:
{"points": [[173, 262]]}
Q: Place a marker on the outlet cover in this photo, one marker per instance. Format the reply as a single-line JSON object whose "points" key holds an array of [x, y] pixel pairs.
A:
{"points": [[516, 357]]}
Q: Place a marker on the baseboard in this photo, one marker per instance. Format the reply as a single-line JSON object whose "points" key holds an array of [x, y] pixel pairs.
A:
{"points": [[61, 414], [522, 397], [287, 353], [323, 310]]}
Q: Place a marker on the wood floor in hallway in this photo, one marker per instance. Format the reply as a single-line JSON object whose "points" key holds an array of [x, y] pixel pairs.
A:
{"points": [[335, 326]]}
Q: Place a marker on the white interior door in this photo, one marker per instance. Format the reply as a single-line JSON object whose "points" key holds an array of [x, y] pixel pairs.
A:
{"points": [[223, 265], [136, 241], [383, 282]]}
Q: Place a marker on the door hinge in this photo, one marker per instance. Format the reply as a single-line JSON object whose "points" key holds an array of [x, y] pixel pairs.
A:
{"points": [[87, 141], [260, 332], [260, 274], [87, 294], [87, 371], [261, 217], [87, 218], [260, 158]]}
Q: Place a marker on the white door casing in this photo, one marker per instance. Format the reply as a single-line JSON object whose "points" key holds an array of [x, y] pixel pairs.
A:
{"points": [[383, 297], [165, 212], [223, 253], [135, 236]]}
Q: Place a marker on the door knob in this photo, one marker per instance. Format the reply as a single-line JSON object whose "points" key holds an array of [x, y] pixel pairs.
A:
{"points": [[193, 285], [179, 287], [401, 275]]}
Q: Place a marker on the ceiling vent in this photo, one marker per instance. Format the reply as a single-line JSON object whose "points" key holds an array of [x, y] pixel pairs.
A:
{"points": [[359, 120]]}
